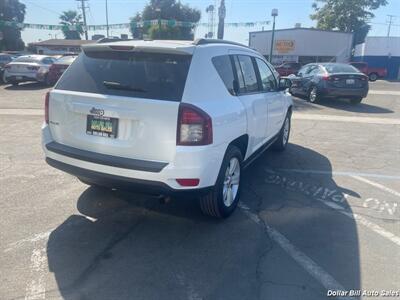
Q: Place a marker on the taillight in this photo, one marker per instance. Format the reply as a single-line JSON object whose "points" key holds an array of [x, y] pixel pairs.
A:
{"points": [[46, 108], [33, 68], [326, 78], [194, 126], [8, 67]]}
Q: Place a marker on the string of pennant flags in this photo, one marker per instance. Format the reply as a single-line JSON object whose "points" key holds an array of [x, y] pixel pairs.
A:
{"points": [[168, 23]]}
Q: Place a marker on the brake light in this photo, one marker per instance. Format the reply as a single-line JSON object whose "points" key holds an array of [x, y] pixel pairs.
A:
{"points": [[194, 126], [46, 108], [326, 77], [122, 48], [33, 68], [188, 181]]}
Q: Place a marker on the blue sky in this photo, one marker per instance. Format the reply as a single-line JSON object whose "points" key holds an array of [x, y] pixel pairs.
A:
{"points": [[290, 12]]}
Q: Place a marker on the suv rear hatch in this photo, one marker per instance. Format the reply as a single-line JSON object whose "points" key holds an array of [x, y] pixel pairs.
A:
{"points": [[120, 101]]}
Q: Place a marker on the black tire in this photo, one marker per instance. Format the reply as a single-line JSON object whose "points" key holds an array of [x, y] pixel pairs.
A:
{"points": [[283, 139], [373, 77], [84, 181], [212, 204], [313, 95], [356, 100]]}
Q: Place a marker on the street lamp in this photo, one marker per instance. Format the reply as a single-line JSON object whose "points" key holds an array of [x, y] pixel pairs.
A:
{"points": [[274, 13], [158, 10], [107, 27]]}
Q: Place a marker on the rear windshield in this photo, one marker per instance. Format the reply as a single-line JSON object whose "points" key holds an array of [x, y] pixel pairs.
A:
{"points": [[340, 68], [144, 75]]}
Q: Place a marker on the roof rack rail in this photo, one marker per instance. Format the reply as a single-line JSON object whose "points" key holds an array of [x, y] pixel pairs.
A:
{"points": [[203, 41]]}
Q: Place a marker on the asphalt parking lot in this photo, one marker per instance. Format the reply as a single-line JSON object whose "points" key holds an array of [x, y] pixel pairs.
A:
{"points": [[321, 217]]}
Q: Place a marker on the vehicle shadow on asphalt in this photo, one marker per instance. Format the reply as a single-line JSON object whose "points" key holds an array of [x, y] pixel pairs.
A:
{"points": [[31, 86], [343, 104], [128, 246]]}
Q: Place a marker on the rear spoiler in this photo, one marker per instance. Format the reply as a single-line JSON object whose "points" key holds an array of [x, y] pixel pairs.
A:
{"points": [[123, 47]]}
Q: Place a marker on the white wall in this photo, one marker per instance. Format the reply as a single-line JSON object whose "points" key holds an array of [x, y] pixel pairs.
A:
{"points": [[307, 42], [379, 46]]}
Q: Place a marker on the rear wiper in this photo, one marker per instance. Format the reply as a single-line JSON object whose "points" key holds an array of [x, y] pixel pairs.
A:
{"points": [[119, 86]]}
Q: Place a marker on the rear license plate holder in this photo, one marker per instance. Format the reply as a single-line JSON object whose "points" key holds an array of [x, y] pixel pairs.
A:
{"points": [[18, 78], [350, 81], [102, 126]]}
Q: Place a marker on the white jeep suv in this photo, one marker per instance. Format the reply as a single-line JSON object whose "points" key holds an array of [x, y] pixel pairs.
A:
{"points": [[166, 118]]}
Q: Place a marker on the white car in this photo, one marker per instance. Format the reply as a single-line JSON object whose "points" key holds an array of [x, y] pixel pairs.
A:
{"points": [[25, 68], [166, 118]]}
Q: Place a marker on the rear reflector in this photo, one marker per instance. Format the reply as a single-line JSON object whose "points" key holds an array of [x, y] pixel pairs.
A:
{"points": [[188, 181], [46, 108]]}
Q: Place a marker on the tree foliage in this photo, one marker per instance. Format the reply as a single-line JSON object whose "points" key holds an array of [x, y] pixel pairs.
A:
{"points": [[14, 11], [68, 18], [166, 10], [346, 15]]}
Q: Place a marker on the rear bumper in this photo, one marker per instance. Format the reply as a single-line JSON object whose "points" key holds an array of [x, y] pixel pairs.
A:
{"points": [[343, 92], [19, 78], [125, 183], [155, 177]]}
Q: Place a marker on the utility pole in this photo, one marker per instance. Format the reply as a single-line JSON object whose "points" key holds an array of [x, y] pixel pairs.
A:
{"points": [[391, 17], [274, 14], [83, 8], [221, 15], [107, 16]]}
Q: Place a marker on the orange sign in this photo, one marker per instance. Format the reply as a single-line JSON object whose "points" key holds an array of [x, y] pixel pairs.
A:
{"points": [[284, 46]]}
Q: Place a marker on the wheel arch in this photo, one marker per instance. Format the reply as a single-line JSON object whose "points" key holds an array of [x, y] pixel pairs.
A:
{"points": [[242, 143]]}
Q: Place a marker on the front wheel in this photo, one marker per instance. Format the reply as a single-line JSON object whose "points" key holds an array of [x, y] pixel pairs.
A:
{"points": [[224, 197], [283, 136]]}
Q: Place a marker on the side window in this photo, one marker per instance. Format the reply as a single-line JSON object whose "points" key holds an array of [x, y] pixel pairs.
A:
{"points": [[224, 68], [249, 74], [303, 70], [314, 71], [47, 61], [241, 86], [268, 81]]}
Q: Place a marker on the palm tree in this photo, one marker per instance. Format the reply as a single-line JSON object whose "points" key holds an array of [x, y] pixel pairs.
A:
{"points": [[68, 18]]}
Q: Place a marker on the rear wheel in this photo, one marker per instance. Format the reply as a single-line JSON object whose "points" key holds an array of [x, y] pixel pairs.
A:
{"points": [[356, 100], [373, 77], [283, 136], [224, 197], [313, 95]]}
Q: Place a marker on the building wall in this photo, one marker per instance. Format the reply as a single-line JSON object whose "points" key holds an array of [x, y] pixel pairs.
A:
{"points": [[306, 42], [382, 52]]}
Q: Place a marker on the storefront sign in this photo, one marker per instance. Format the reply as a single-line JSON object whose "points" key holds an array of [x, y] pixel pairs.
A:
{"points": [[284, 46]]}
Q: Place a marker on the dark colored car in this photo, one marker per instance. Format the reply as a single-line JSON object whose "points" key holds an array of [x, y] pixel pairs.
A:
{"points": [[288, 68], [57, 69], [332, 80], [4, 59], [373, 73]]}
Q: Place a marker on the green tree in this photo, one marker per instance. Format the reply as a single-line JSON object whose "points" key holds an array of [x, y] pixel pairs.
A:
{"points": [[346, 15], [13, 11], [167, 10], [68, 18]]}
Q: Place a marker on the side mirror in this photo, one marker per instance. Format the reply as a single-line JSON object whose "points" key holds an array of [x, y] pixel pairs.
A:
{"points": [[284, 83]]}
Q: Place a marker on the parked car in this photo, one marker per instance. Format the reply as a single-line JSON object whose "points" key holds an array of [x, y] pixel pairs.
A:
{"points": [[332, 80], [25, 68], [288, 68], [4, 59], [372, 73], [50, 75], [166, 118]]}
